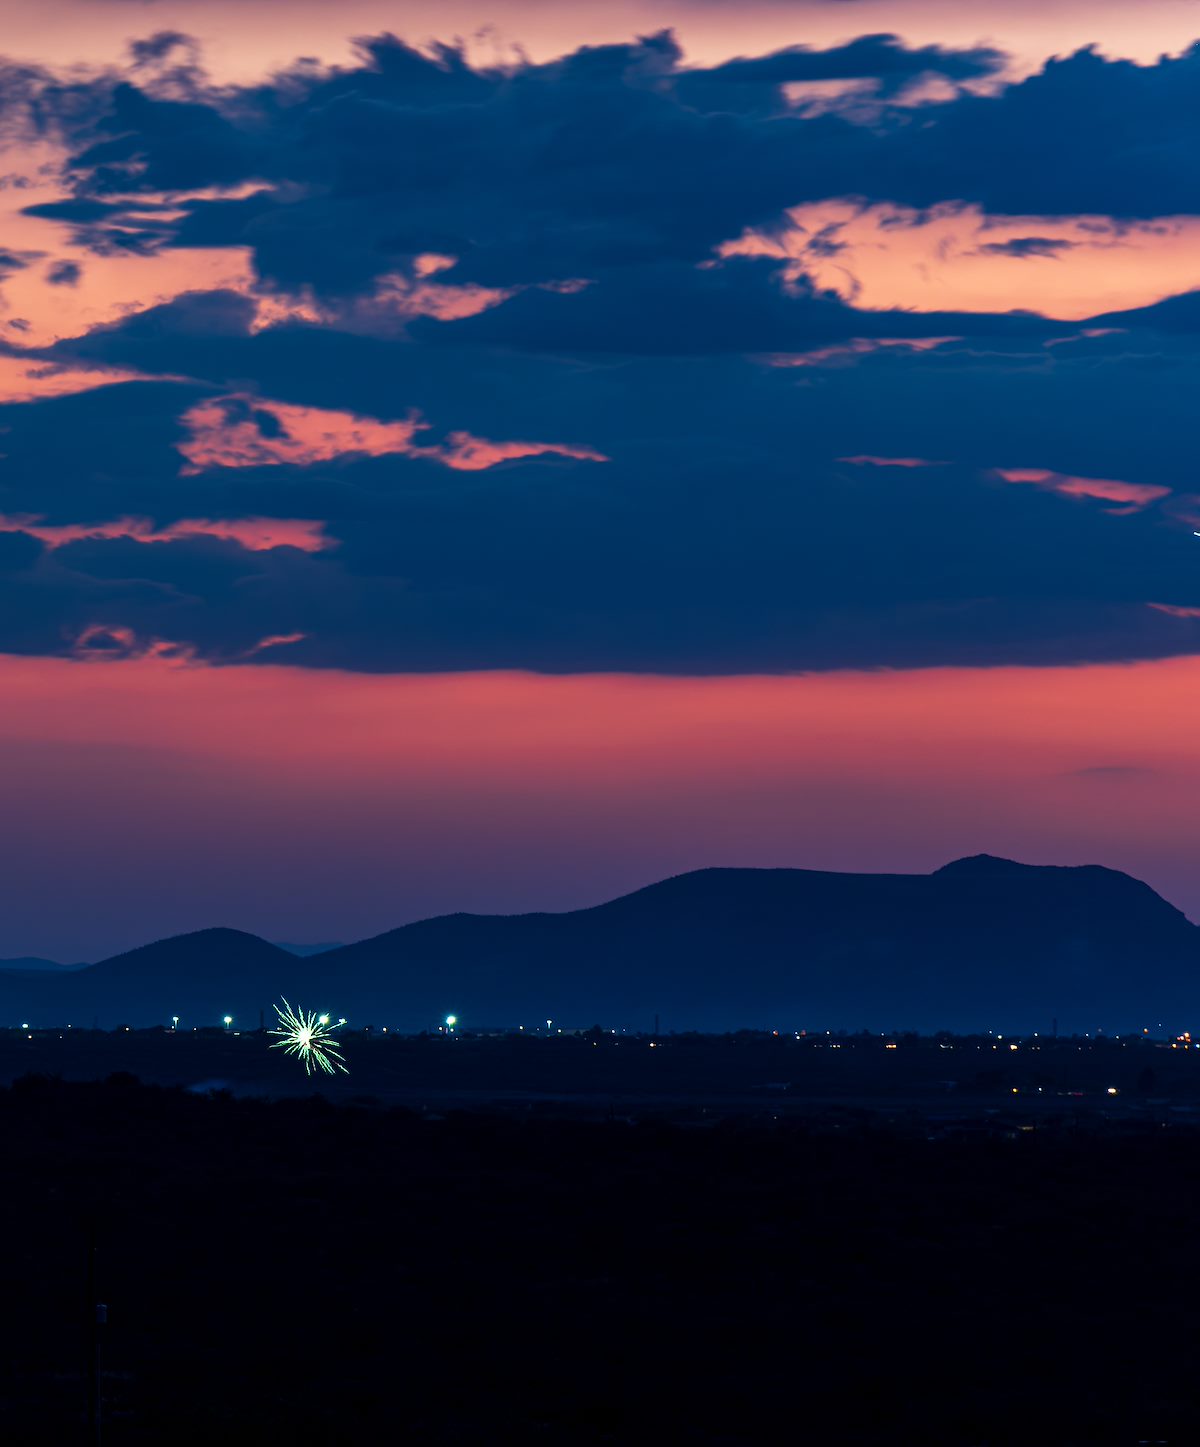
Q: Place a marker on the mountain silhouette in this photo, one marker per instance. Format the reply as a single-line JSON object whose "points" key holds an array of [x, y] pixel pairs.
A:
{"points": [[982, 943], [35, 962]]}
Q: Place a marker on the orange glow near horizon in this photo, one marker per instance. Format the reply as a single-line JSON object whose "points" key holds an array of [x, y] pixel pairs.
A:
{"points": [[336, 805], [150, 792]]}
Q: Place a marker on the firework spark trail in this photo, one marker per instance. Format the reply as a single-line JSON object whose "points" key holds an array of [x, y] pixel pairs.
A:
{"points": [[309, 1037]]}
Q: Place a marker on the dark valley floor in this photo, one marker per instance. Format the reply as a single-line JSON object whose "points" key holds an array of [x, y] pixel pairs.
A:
{"points": [[335, 1273]]}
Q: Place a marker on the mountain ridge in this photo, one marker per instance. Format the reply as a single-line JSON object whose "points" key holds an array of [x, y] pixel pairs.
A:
{"points": [[980, 943], [37, 963]]}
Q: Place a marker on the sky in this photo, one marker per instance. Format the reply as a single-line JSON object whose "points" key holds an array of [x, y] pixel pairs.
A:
{"points": [[490, 456]]}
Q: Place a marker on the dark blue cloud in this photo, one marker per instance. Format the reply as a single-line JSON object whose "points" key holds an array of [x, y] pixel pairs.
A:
{"points": [[1174, 314], [741, 305], [1084, 135], [724, 533], [1021, 248], [159, 47], [64, 273], [613, 155], [752, 83]]}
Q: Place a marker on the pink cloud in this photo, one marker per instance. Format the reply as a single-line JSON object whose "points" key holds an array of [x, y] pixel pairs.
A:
{"points": [[1136, 495], [882, 256], [1174, 611], [396, 299], [255, 534], [108, 642], [274, 640], [225, 434], [25, 381], [472, 454], [1090, 333], [855, 347], [307, 435], [865, 459]]}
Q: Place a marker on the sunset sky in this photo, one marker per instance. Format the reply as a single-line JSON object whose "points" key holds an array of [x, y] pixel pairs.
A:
{"points": [[494, 455]]}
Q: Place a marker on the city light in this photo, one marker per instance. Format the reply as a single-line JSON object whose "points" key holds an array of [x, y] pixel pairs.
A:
{"points": [[309, 1038]]}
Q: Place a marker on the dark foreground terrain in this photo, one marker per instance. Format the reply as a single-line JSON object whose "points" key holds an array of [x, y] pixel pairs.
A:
{"points": [[323, 1272]]}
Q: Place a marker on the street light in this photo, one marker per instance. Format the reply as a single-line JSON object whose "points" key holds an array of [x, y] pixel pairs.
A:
{"points": [[228, 1021]]}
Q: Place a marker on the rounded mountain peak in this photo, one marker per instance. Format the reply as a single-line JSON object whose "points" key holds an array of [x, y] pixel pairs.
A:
{"points": [[982, 864]]}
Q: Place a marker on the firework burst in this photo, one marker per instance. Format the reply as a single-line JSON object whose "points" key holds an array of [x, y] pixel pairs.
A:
{"points": [[309, 1037]]}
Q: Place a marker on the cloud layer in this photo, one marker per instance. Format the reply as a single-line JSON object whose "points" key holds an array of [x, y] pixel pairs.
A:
{"points": [[494, 384]]}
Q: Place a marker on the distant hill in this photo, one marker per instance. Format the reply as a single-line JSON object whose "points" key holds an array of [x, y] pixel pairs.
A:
{"points": [[305, 950], [35, 962], [983, 943]]}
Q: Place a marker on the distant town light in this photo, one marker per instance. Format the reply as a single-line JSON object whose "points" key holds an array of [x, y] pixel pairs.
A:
{"points": [[1112, 1090]]}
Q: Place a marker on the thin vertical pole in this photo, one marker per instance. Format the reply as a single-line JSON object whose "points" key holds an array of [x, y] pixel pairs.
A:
{"points": [[94, 1321]]}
